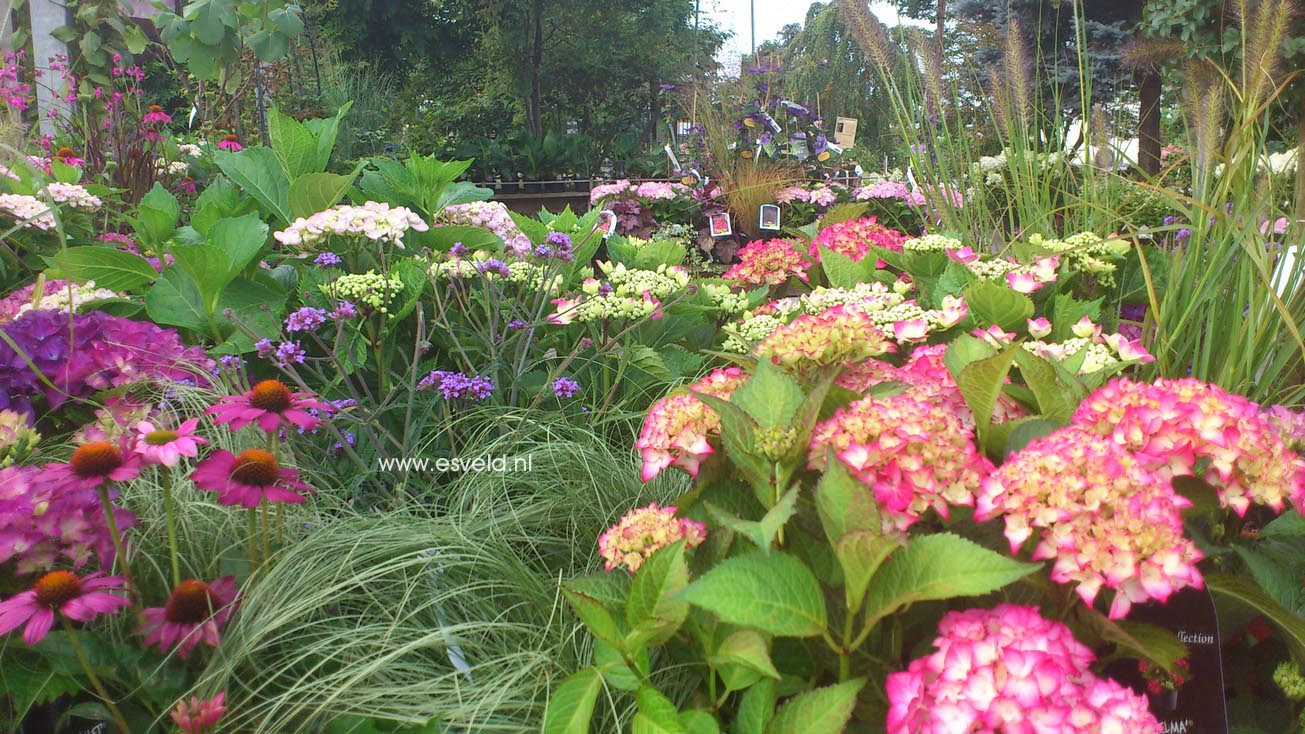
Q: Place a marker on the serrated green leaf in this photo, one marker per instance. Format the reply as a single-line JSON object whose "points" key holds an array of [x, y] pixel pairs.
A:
{"points": [[936, 567], [651, 608], [1056, 399], [697, 721], [774, 593], [770, 396], [315, 192], [822, 711], [657, 715], [745, 649], [991, 303], [756, 708], [258, 172], [107, 266], [980, 384], [571, 707]]}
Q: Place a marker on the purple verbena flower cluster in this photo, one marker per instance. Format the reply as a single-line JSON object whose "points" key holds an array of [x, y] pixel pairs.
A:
{"points": [[456, 385]]}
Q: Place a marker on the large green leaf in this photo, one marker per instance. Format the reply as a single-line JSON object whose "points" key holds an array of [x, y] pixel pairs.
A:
{"points": [[742, 659], [157, 216], [313, 192], [241, 238], [756, 708], [108, 267], [571, 706], [770, 396], [1056, 399], [1247, 592], [326, 131], [822, 711], [842, 271], [295, 147], [259, 173], [597, 617], [175, 300], [651, 610], [992, 303], [940, 566], [774, 593], [697, 721], [656, 715], [981, 383]]}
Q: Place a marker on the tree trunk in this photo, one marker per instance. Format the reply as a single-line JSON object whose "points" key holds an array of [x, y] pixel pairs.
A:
{"points": [[1148, 122], [939, 31], [534, 119]]}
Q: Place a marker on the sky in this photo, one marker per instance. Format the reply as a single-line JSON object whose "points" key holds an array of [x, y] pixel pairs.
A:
{"points": [[771, 15]]}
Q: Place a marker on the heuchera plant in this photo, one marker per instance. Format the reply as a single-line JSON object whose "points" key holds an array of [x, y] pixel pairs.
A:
{"points": [[855, 482]]}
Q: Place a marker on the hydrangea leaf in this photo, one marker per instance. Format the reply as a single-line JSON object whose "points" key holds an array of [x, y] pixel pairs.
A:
{"points": [[774, 593], [571, 706], [822, 711], [940, 566]]}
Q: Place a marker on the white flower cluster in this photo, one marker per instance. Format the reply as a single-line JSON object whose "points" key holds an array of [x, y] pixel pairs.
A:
{"points": [[746, 333], [73, 195], [190, 149], [68, 298], [872, 295], [1085, 252], [490, 215], [659, 283], [378, 222], [367, 289], [30, 211], [171, 168], [724, 299], [932, 243]]}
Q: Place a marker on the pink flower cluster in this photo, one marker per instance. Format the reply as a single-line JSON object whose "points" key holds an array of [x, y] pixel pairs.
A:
{"points": [[833, 337], [912, 453], [928, 379], [660, 191], [490, 215], [39, 525], [1103, 515], [609, 191], [819, 195], [768, 262], [1010, 671], [888, 190], [677, 427], [854, 238], [1187, 427], [644, 531], [1290, 424]]}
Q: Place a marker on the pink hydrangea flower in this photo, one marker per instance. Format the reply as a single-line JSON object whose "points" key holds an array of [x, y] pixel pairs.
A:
{"points": [[645, 531], [790, 194], [166, 447], [40, 524], [1174, 424], [271, 405], [912, 453], [677, 427], [1022, 282], [927, 379], [248, 478], [768, 262], [1102, 515], [854, 238], [954, 310], [60, 593], [964, 256], [833, 337], [1039, 327], [195, 613], [1010, 671]]}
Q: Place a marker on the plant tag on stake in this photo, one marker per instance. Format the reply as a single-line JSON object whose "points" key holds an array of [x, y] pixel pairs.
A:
{"points": [[607, 222], [769, 218], [670, 154], [719, 225], [1196, 706]]}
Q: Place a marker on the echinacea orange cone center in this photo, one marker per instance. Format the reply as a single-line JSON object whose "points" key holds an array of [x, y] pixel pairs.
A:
{"points": [[64, 153], [160, 438], [271, 395], [96, 459], [56, 588], [190, 603], [155, 108], [255, 467]]}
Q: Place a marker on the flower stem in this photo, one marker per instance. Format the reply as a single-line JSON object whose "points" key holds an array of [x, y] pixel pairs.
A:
{"points": [[119, 552], [170, 508], [253, 539], [95, 679]]}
